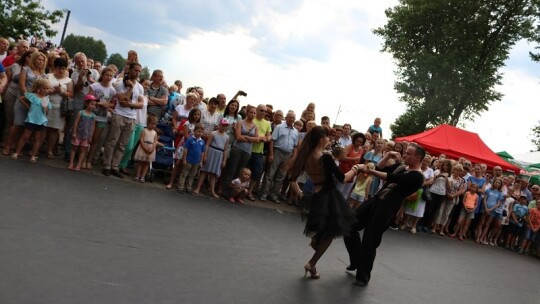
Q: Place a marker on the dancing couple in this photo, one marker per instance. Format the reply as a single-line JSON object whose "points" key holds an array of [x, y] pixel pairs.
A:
{"points": [[330, 217]]}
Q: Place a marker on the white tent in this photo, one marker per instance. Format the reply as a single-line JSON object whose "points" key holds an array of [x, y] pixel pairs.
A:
{"points": [[529, 158]]}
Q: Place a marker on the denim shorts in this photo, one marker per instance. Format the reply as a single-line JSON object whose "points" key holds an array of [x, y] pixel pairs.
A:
{"points": [[495, 215], [528, 234], [357, 197]]}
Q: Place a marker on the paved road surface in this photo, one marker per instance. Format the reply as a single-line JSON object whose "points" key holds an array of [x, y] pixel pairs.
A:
{"points": [[69, 237]]}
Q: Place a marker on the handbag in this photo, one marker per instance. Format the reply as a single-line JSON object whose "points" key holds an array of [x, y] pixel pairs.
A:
{"points": [[64, 107], [426, 194]]}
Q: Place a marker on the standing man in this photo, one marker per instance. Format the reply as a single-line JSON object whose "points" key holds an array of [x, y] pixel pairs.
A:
{"points": [[256, 161], [157, 95], [345, 138], [284, 138], [222, 103], [22, 46], [375, 215], [82, 78], [130, 97], [277, 119], [210, 118], [4, 45]]}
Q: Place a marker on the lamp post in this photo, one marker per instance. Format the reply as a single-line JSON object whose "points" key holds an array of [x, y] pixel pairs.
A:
{"points": [[65, 27]]}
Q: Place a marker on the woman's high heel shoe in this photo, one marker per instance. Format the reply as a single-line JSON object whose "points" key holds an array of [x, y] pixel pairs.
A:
{"points": [[312, 271]]}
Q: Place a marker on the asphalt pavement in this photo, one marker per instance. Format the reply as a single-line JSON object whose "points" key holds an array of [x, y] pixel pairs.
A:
{"points": [[74, 237]]}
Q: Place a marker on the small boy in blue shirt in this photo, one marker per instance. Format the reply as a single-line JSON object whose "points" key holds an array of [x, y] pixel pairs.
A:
{"points": [[192, 157]]}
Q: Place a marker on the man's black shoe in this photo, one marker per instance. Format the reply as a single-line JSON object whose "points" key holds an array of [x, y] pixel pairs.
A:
{"points": [[117, 173], [351, 268], [361, 280], [360, 283], [106, 172]]}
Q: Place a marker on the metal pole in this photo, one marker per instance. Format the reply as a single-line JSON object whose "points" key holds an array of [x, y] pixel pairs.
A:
{"points": [[65, 27], [338, 111]]}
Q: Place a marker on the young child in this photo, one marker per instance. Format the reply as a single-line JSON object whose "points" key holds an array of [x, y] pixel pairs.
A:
{"points": [[37, 117], [239, 187], [467, 212], [185, 129], [376, 128], [298, 125], [146, 152], [192, 156], [517, 218], [216, 157], [493, 199], [83, 129], [361, 192]]}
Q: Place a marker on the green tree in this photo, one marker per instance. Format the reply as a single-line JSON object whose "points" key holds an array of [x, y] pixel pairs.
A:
{"points": [[25, 18], [145, 73], [536, 136], [91, 47], [117, 60], [449, 53]]}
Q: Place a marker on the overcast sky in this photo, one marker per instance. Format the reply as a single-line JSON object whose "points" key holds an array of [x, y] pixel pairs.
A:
{"points": [[289, 53]]}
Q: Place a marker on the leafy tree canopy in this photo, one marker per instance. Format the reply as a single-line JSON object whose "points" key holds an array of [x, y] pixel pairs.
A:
{"points": [[116, 59], [25, 18], [91, 47], [536, 136], [449, 54]]}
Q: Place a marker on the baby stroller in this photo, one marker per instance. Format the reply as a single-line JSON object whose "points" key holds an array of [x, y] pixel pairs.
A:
{"points": [[164, 156]]}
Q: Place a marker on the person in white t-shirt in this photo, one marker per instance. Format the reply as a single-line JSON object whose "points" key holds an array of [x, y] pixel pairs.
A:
{"points": [[130, 97]]}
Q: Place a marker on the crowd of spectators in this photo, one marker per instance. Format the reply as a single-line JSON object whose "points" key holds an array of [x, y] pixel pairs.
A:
{"points": [[105, 115]]}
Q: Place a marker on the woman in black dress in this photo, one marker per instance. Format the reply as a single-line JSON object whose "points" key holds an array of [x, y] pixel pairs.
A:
{"points": [[329, 215]]}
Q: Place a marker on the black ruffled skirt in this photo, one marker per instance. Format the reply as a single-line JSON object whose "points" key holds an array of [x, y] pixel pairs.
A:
{"points": [[327, 214]]}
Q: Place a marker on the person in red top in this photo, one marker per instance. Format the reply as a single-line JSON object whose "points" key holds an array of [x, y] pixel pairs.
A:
{"points": [[531, 234], [22, 46]]}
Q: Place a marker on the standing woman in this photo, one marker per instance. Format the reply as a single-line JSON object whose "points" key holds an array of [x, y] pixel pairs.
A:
{"points": [[439, 189], [27, 77], [105, 93], [246, 133], [231, 115], [329, 215], [181, 111], [416, 211], [62, 90], [353, 154], [10, 98], [457, 188]]}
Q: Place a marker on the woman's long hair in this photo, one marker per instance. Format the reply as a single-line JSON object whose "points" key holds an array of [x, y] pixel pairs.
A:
{"points": [[310, 142], [226, 111]]}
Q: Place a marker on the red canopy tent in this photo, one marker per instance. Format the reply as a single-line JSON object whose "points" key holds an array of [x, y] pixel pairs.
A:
{"points": [[455, 142]]}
